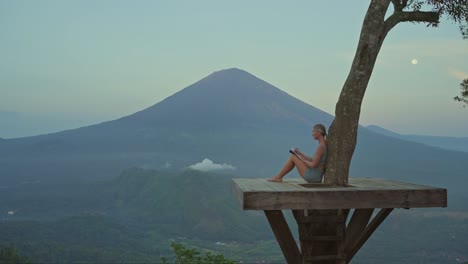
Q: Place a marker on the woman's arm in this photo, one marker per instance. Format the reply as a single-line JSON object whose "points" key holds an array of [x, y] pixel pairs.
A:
{"points": [[304, 156], [312, 162]]}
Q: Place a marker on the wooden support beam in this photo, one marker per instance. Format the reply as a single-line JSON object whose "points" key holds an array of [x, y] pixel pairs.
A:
{"points": [[345, 213], [321, 233], [378, 219], [321, 212], [357, 225], [284, 236]]}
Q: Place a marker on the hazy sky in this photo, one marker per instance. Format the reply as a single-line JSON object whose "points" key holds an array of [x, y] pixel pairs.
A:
{"points": [[83, 61]]}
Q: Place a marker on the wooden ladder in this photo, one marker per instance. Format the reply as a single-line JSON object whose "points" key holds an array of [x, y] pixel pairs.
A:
{"points": [[322, 235]]}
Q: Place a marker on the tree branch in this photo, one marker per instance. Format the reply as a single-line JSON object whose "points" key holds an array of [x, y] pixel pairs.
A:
{"points": [[415, 16], [398, 5]]}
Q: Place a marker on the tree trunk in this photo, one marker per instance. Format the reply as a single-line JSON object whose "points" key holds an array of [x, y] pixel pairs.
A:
{"points": [[343, 131]]}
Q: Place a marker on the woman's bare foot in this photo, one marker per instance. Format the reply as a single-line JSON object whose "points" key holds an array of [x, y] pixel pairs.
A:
{"points": [[275, 179]]}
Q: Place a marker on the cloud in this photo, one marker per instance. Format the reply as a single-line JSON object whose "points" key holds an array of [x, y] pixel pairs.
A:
{"points": [[208, 165], [460, 75]]}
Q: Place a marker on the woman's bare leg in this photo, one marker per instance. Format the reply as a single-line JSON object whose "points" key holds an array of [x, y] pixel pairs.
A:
{"points": [[292, 162]]}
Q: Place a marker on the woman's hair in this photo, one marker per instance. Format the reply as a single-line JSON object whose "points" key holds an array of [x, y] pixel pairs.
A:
{"points": [[321, 128]]}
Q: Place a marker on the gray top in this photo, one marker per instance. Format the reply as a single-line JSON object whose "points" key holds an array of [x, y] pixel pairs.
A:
{"points": [[323, 158]]}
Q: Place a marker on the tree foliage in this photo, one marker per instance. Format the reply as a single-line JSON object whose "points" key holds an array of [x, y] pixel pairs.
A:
{"points": [[193, 256], [464, 84], [463, 93], [9, 255], [455, 10]]}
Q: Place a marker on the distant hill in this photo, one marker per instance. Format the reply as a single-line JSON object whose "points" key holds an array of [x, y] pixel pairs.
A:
{"points": [[229, 117], [134, 217], [450, 143], [188, 204]]}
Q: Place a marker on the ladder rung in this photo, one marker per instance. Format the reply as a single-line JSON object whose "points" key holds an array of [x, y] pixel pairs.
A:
{"points": [[324, 257], [322, 219], [323, 238]]}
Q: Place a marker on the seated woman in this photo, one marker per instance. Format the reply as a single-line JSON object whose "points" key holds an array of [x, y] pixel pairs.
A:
{"points": [[310, 168]]}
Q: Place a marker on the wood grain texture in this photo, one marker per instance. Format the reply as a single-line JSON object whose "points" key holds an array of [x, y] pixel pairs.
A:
{"points": [[259, 194]]}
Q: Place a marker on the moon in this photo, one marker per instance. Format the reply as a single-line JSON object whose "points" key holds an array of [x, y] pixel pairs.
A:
{"points": [[414, 61]]}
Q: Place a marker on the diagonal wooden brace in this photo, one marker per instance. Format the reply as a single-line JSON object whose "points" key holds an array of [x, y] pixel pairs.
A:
{"points": [[357, 225], [284, 236], [353, 246]]}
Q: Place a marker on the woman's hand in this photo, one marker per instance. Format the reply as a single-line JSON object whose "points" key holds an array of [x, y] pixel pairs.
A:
{"points": [[304, 157]]}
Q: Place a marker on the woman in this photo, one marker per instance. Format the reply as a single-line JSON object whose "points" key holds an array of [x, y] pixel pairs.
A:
{"points": [[310, 168]]}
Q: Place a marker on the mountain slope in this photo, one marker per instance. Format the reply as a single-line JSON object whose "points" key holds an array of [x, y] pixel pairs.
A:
{"points": [[190, 203], [228, 98], [220, 117], [450, 143]]}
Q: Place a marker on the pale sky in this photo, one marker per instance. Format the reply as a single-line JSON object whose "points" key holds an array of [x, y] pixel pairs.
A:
{"points": [[88, 61]]}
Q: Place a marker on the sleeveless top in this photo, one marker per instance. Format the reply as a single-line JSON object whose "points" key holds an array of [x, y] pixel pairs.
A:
{"points": [[314, 175], [323, 158]]}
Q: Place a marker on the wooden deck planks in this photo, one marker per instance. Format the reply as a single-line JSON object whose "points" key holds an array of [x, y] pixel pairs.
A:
{"points": [[284, 186], [257, 185], [259, 194]]}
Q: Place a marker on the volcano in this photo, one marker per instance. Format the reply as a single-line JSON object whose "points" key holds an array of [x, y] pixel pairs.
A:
{"points": [[229, 117]]}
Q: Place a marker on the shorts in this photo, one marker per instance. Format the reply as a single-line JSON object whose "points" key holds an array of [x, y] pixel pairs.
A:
{"points": [[313, 175]]}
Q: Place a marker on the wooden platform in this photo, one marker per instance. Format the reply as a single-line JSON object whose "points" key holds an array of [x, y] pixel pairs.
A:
{"points": [[296, 194]]}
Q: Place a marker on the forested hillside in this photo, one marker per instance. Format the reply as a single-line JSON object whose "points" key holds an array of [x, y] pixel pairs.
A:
{"points": [[134, 218]]}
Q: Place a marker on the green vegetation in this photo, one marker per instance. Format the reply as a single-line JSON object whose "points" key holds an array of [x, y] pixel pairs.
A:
{"points": [[136, 217], [464, 84], [9, 255], [463, 93], [193, 256]]}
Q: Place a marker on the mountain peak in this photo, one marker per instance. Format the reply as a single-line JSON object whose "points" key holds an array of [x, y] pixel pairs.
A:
{"points": [[230, 71], [231, 75], [229, 97], [226, 84]]}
